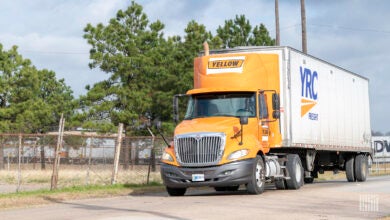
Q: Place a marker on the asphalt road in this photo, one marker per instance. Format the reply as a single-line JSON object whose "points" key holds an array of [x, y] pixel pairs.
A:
{"points": [[320, 200]]}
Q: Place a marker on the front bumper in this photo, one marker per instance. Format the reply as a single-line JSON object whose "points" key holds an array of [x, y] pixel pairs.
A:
{"points": [[235, 173]]}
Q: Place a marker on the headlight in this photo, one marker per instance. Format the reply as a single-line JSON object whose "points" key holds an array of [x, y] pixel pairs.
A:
{"points": [[167, 157], [238, 154]]}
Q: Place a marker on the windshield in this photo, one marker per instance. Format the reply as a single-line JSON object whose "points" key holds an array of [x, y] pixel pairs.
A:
{"points": [[221, 104]]}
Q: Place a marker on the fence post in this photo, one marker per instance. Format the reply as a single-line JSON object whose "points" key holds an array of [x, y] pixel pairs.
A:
{"points": [[117, 154], [56, 164], [2, 154], [89, 159], [151, 159], [133, 154], [19, 162]]}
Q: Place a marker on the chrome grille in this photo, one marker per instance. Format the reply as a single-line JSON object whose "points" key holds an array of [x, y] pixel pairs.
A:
{"points": [[199, 149]]}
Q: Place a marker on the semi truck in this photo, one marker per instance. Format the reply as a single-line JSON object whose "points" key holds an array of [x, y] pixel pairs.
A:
{"points": [[267, 115]]}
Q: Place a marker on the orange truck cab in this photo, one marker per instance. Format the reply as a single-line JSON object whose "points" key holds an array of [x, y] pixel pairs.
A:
{"points": [[239, 126]]}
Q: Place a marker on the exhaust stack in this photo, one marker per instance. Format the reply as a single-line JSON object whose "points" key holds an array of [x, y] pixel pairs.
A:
{"points": [[206, 48]]}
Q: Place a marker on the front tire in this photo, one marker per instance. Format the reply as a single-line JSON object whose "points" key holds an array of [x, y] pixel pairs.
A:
{"points": [[176, 191], [257, 183], [295, 171]]}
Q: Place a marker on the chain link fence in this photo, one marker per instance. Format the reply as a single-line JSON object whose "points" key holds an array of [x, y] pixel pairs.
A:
{"points": [[88, 159], [85, 159]]}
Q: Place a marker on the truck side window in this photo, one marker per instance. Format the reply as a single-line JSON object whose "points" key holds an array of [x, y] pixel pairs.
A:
{"points": [[263, 111]]}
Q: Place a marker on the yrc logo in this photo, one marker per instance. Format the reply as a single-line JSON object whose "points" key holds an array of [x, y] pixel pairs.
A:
{"points": [[309, 92]]}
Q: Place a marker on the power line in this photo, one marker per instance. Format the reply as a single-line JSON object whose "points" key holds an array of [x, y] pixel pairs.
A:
{"points": [[350, 28], [272, 29], [55, 52]]}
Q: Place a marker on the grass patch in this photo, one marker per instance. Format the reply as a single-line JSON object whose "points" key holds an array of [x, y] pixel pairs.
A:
{"points": [[41, 197], [71, 176], [329, 175]]}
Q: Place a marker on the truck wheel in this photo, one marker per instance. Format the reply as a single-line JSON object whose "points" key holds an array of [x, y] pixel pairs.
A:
{"points": [[349, 169], [257, 182], [176, 191], [280, 184], [295, 170], [361, 167]]}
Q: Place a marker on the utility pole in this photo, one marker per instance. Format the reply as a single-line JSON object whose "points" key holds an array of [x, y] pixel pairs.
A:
{"points": [[277, 23], [303, 22]]}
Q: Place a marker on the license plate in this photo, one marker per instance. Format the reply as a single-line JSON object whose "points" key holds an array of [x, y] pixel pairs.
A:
{"points": [[197, 177]]}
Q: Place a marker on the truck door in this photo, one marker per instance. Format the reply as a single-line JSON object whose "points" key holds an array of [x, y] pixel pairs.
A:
{"points": [[264, 131]]}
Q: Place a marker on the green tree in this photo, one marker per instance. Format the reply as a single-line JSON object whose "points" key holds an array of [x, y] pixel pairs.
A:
{"points": [[31, 100], [131, 51], [239, 32], [145, 69]]}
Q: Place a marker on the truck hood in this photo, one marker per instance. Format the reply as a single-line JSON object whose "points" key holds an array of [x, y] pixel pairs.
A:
{"points": [[228, 125]]}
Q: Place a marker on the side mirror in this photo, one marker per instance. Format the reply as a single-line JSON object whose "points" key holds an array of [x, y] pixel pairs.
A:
{"points": [[176, 109], [157, 124], [149, 118], [275, 102], [243, 120]]}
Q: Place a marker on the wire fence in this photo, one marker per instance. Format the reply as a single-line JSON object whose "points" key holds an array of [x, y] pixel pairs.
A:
{"points": [[88, 159], [85, 159]]}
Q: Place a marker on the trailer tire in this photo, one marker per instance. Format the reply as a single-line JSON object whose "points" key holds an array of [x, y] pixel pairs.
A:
{"points": [[361, 167], [295, 171], [176, 191], [350, 169], [257, 182]]}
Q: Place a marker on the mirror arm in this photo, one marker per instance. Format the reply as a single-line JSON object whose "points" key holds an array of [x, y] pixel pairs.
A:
{"points": [[165, 140]]}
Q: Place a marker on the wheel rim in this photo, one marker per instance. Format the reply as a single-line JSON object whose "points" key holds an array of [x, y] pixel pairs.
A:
{"points": [[259, 175], [298, 172]]}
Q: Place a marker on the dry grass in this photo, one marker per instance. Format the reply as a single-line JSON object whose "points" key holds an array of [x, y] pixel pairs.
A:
{"points": [[28, 199], [380, 169], [70, 176], [329, 175]]}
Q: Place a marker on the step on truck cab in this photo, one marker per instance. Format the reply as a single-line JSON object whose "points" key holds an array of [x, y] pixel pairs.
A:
{"points": [[268, 114]]}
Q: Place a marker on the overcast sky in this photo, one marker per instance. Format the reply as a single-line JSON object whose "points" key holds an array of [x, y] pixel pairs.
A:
{"points": [[353, 34]]}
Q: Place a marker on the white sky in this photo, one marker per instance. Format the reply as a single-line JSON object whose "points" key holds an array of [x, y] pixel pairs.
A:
{"points": [[353, 34]]}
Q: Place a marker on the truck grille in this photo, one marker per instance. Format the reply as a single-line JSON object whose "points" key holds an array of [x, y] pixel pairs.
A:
{"points": [[199, 149]]}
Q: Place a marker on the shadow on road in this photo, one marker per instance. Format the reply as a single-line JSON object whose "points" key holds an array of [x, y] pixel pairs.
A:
{"points": [[100, 207], [269, 187]]}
